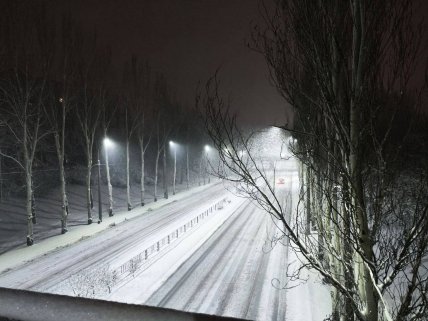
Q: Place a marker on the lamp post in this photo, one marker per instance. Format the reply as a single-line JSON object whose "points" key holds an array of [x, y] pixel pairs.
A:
{"points": [[207, 149], [100, 210], [174, 147], [107, 143]]}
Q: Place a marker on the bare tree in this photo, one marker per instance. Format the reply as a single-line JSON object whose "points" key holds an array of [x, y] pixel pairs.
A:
{"points": [[129, 128], [345, 68], [88, 114], [341, 65], [160, 143], [163, 129], [93, 283], [144, 132], [399, 231], [23, 90], [60, 101], [137, 98], [108, 114], [88, 118]]}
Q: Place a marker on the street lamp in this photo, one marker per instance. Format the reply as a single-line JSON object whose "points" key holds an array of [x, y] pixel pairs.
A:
{"points": [[174, 147], [107, 144], [207, 149], [100, 209]]}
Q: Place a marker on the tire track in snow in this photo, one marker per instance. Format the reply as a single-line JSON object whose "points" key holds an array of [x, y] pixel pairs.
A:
{"points": [[163, 299], [226, 275], [231, 284], [219, 270]]}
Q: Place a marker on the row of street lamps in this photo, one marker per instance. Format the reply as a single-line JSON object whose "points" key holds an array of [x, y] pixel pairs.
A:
{"points": [[174, 147], [107, 144]]}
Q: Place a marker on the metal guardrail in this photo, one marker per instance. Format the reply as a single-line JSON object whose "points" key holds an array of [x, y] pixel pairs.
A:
{"points": [[134, 263]]}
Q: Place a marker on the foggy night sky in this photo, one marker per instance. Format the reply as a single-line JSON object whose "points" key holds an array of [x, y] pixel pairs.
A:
{"points": [[188, 40]]}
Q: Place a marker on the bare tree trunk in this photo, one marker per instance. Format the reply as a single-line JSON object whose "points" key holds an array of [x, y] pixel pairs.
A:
{"points": [[64, 200], [200, 172], [165, 184], [61, 159], [358, 54], [89, 202], [128, 185], [175, 170], [1, 178], [347, 247], [29, 201], [187, 167], [156, 175], [28, 185], [308, 201], [109, 186], [142, 186]]}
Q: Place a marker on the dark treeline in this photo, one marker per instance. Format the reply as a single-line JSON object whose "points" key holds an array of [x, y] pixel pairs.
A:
{"points": [[62, 104]]}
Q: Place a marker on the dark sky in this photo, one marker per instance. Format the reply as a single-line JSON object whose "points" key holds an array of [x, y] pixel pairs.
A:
{"points": [[188, 40]]}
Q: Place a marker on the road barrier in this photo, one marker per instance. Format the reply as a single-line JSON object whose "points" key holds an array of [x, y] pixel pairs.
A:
{"points": [[135, 262]]}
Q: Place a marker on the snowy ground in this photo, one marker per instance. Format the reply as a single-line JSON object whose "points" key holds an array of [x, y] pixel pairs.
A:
{"points": [[226, 262], [13, 222]]}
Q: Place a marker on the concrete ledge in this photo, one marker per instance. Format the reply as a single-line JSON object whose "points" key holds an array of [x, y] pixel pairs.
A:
{"points": [[26, 305]]}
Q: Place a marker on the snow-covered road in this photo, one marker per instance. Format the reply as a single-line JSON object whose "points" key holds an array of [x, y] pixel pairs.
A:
{"points": [[115, 245], [228, 262], [231, 273]]}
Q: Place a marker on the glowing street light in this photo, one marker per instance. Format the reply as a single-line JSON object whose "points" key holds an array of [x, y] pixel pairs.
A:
{"points": [[174, 147], [108, 143]]}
